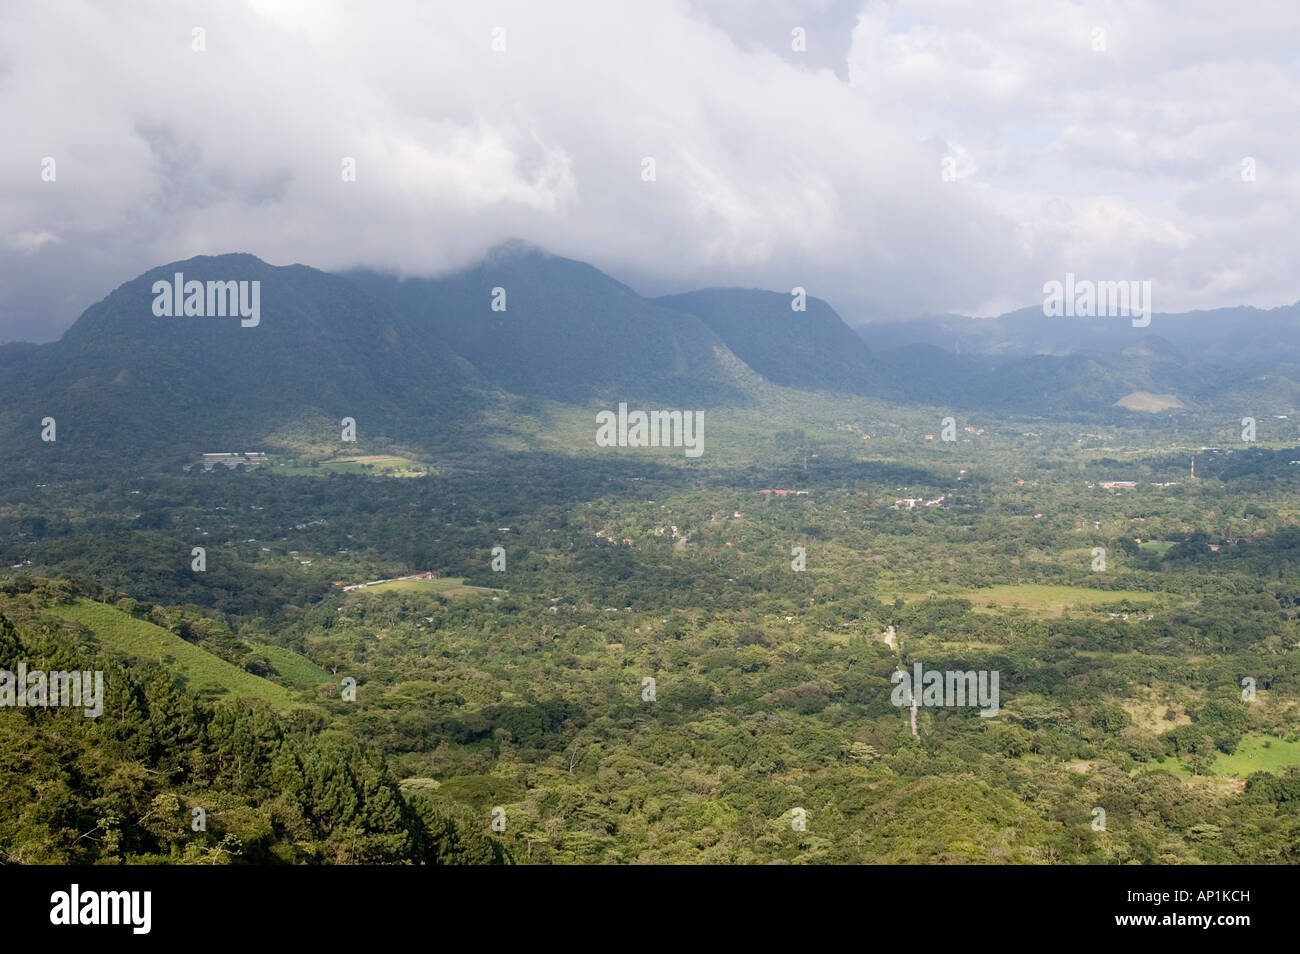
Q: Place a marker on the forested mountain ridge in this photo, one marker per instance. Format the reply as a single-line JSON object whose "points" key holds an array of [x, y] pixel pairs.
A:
{"points": [[164, 777], [810, 348], [1229, 336], [544, 326], [429, 362], [125, 377]]}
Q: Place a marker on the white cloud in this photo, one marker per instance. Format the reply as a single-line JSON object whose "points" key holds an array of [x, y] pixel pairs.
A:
{"points": [[773, 168], [29, 242]]}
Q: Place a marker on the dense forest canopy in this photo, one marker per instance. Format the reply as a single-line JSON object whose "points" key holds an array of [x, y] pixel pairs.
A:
{"points": [[649, 678]]}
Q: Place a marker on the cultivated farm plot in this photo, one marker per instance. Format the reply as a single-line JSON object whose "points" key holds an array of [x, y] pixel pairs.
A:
{"points": [[123, 635], [293, 667], [1158, 547], [1255, 753], [1040, 598], [377, 465], [1258, 753]]}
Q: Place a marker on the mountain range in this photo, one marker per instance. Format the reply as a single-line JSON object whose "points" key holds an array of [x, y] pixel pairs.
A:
{"points": [[1240, 337], [422, 355]]}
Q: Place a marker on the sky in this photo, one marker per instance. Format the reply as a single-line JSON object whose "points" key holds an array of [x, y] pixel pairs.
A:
{"points": [[914, 157]]}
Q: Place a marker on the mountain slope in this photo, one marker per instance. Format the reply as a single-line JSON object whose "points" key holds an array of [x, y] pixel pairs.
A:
{"points": [[812, 349], [123, 377], [134, 639], [568, 332]]}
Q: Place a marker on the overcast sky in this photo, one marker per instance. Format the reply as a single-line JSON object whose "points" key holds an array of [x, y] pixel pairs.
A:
{"points": [[774, 167]]}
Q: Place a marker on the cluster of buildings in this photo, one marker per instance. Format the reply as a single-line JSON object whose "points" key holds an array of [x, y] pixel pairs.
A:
{"points": [[911, 502], [247, 459]]}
